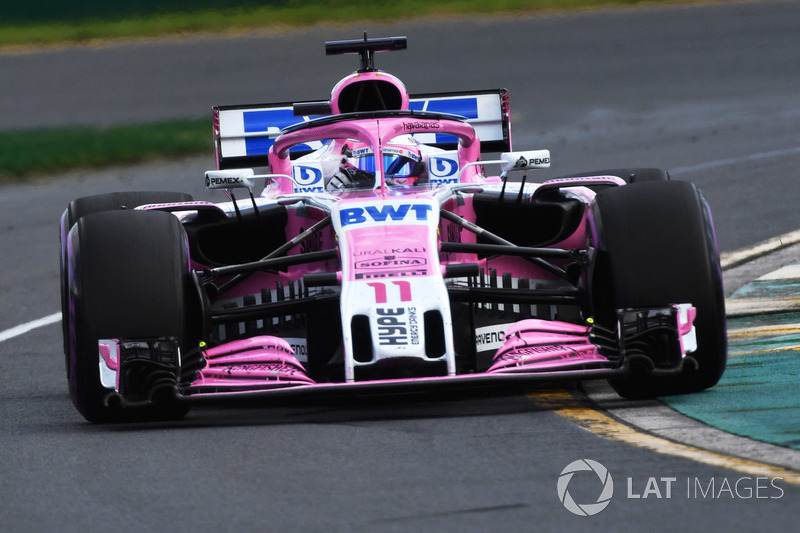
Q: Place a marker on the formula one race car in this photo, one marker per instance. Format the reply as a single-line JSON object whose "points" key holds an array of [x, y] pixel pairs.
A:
{"points": [[375, 254]]}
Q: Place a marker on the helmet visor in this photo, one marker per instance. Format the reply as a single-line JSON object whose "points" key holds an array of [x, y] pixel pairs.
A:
{"points": [[397, 162]]}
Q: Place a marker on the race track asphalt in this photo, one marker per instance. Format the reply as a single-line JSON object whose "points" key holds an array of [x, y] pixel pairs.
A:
{"points": [[708, 91]]}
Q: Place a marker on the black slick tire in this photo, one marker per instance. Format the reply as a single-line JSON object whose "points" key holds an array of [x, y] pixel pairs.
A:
{"points": [[98, 203], [127, 278], [657, 247]]}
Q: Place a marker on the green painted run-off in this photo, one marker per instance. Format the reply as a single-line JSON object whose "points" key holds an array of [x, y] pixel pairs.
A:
{"points": [[759, 394]]}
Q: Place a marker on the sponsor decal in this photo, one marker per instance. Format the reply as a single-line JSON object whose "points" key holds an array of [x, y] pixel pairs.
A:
{"points": [[520, 353], [391, 274], [413, 325], [523, 162], [443, 170], [438, 182], [397, 327], [306, 175], [269, 122], [490, 337], [260, 368], [300, 347], [441, 167], [221, 182], [188, 205], [307, 178], [390, 251], [392, 327], [422, 125], [555, 352], [312, 244], [397, 150], [453, 232], [358, 152], [390, 261], [384, 213]]}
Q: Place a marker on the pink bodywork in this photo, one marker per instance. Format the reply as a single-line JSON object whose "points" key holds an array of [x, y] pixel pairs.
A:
{"points": [[544, 344], [254, 363], [369, 76], [391, 265], [373, 132], [262, 363]]}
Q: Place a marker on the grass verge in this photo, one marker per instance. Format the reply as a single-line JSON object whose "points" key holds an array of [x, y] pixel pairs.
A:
{"points": [[36, 152], [292, 13], [28, 153]]}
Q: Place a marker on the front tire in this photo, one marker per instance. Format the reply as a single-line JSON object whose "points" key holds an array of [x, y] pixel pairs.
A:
{"points": [[657, 247], [128, 278], [87, 205]]}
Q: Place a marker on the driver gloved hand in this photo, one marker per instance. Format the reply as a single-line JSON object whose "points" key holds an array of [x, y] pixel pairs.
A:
{"points": [[350, 178]]}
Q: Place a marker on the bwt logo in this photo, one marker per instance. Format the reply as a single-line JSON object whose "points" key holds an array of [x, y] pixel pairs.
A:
{"points": [[384, 213], [442, 167], [306, 175]]}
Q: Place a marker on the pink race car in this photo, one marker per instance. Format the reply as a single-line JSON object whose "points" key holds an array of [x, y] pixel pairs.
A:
{"points": [[375, 252]]}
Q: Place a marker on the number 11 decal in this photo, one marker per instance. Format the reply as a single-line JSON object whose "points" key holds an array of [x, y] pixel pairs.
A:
{"points": [[381, 295]]}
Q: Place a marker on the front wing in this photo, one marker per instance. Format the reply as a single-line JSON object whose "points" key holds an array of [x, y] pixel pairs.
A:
{"points": [[533, 352]]}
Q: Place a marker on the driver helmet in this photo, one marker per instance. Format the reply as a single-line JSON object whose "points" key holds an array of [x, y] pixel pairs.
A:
{"points": [[402, 164]]}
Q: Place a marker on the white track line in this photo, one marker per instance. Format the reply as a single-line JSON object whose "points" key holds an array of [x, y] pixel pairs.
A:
{"points": [[734, 160], [28, 326], [732, 259]]}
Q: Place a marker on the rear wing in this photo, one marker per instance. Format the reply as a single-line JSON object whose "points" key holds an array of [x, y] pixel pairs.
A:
{"points": [[243, 135]]}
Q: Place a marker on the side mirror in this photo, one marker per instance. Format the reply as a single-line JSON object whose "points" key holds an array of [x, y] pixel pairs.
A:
{"points": [[531, 159], [237, 178]]}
